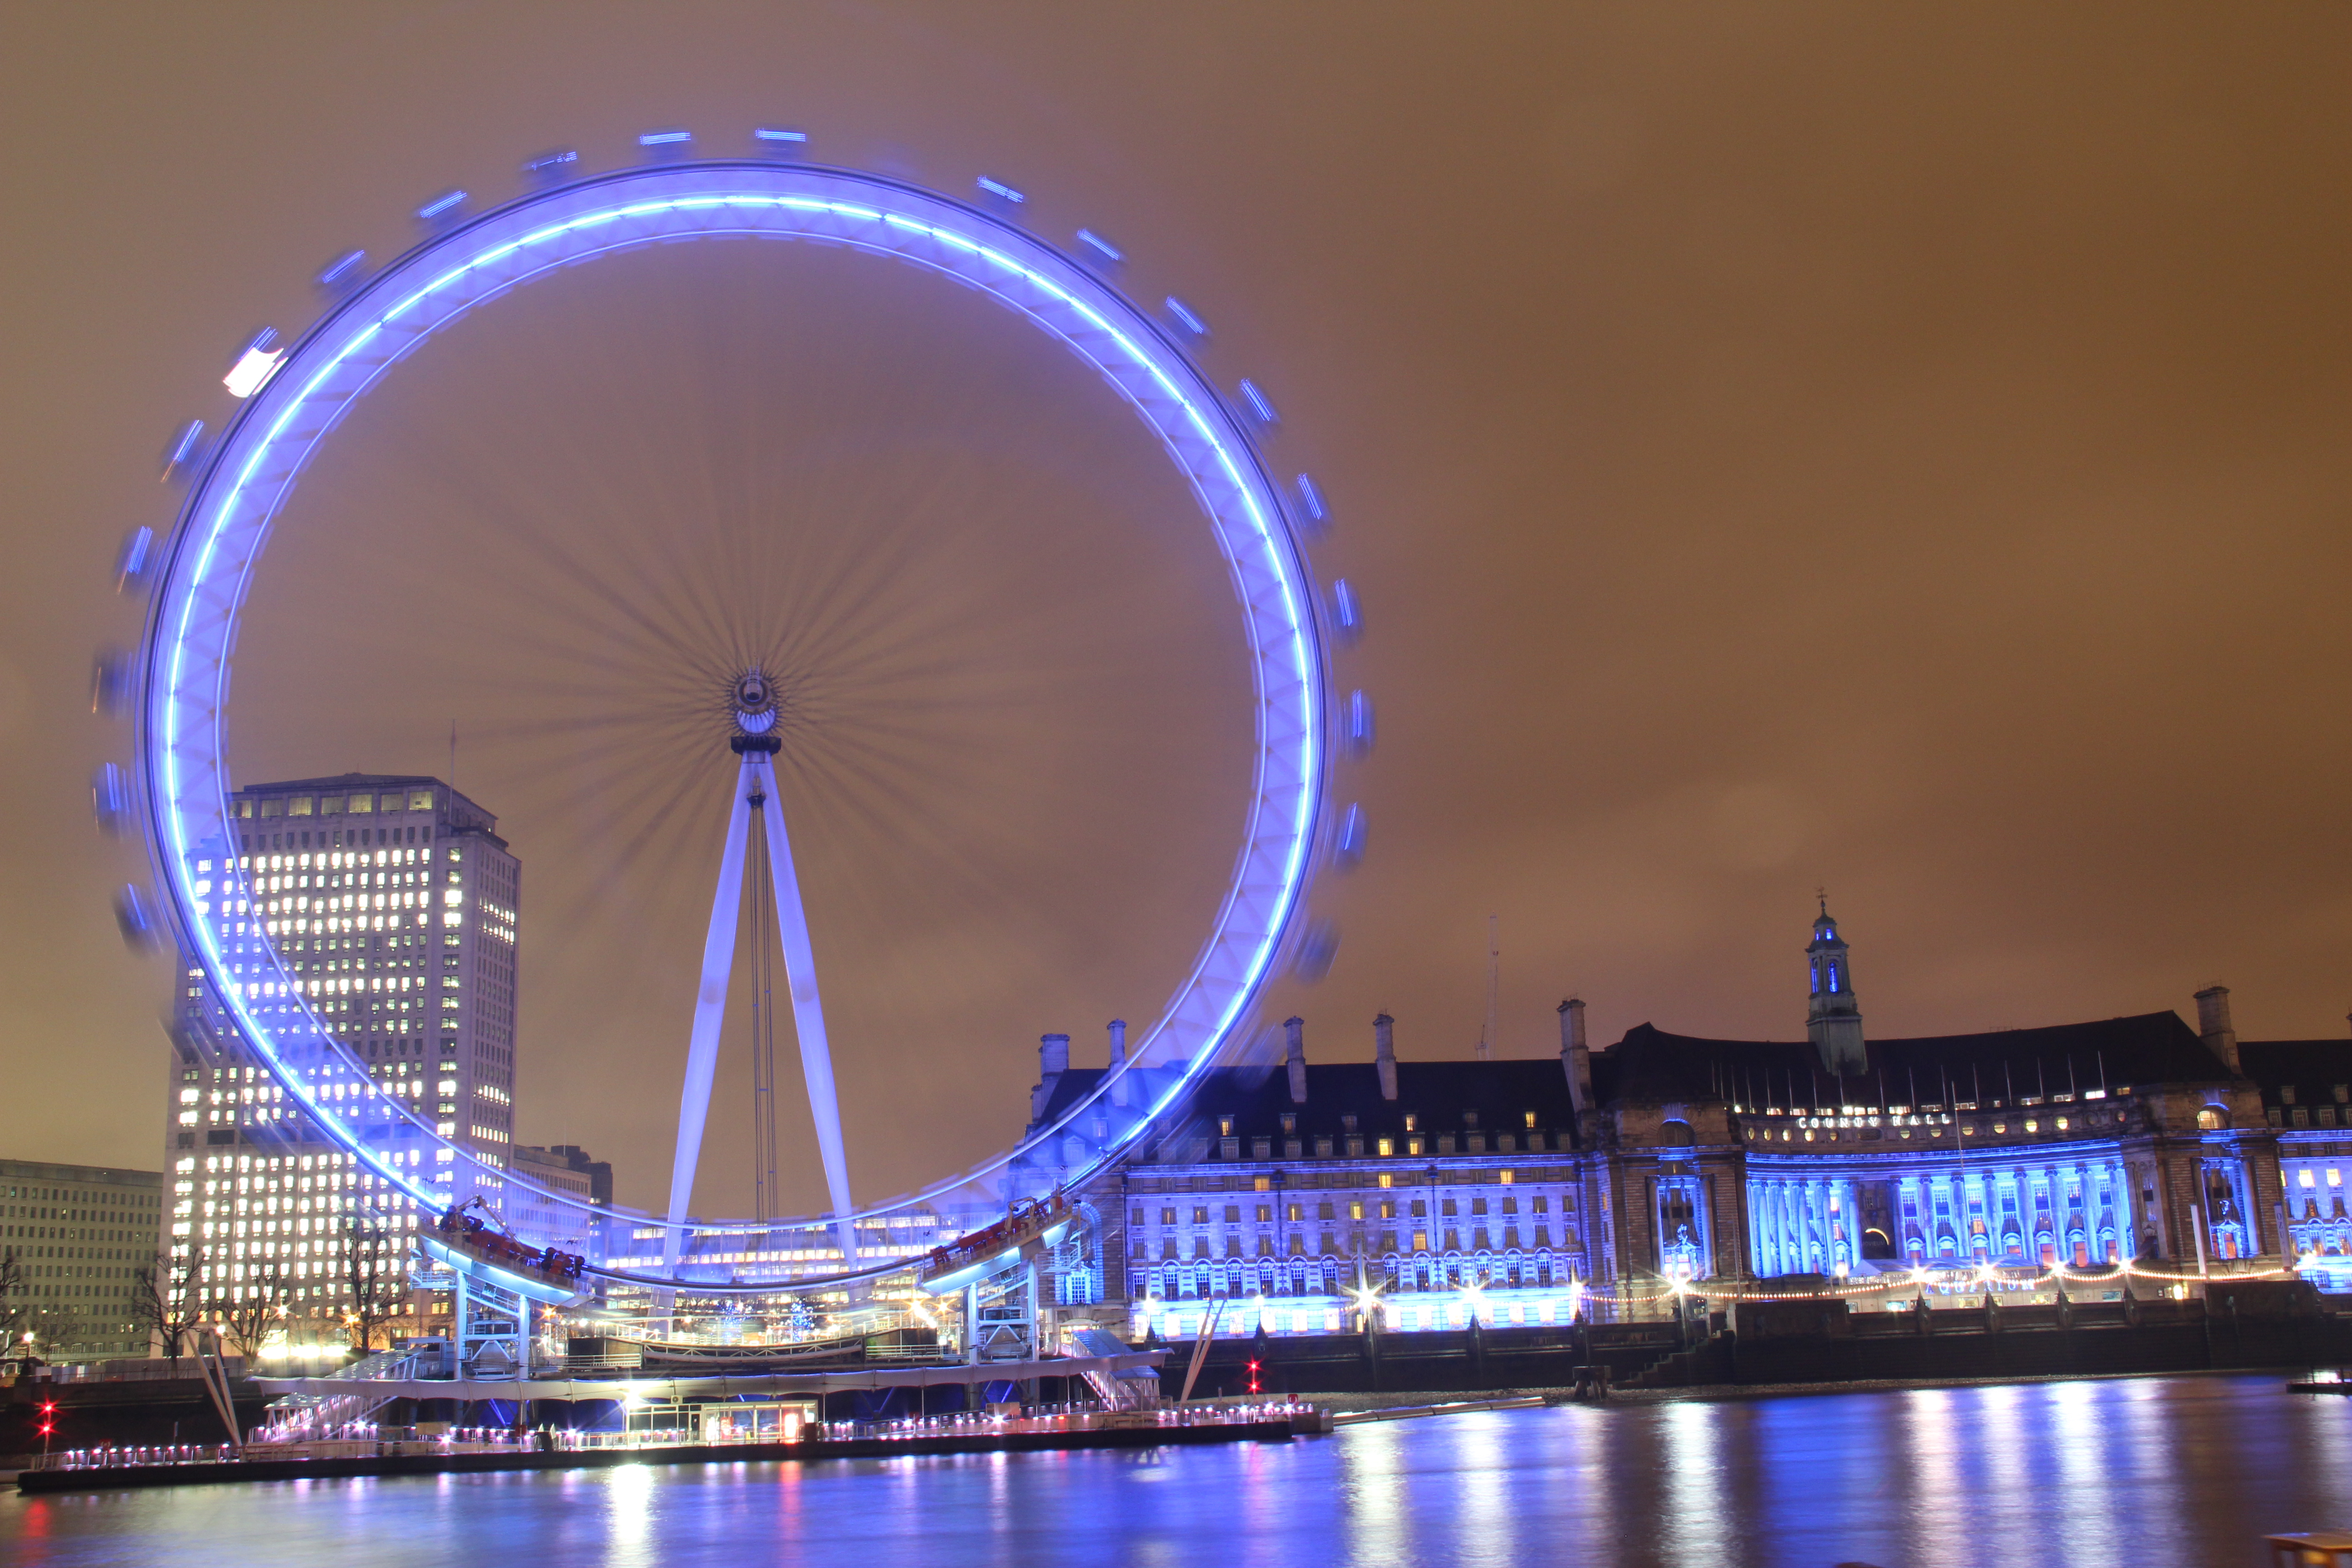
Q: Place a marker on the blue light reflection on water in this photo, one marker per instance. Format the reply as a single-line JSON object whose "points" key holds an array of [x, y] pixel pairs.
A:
{"points": [[2189, 1470]]}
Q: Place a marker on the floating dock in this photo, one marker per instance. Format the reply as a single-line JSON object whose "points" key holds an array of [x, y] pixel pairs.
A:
{"points": [[103, 1478]]}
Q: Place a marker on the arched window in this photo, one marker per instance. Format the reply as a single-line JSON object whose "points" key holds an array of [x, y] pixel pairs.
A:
{"points": [[2212, 1119]]}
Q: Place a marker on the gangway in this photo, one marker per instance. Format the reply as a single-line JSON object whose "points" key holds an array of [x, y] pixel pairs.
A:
{"points": [[1119, 1387], [996, 1269], [292, 1416], [498, 1280]]}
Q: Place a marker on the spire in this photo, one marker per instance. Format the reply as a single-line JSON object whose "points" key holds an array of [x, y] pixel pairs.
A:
{"points": [[1832, 1015]]}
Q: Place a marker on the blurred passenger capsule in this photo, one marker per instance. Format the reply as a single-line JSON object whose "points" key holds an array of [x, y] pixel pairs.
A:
{"points": [[1356, 724], [134, 562], [1318, 944], [186, 449], [552, 168], [1094, 248], [110, 799], [999, 191], [1347, 849], [667, 144], [1260, 407], [782, 141], [1186, 317], [110, 683], [441, 210], [256, 365], [1347, 615], [342, 274], [1311, 502], [134, 916]]}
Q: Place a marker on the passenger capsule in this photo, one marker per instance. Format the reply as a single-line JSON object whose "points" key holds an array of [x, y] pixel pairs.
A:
{"points": [[1356, 728], [444, 209], [110, 799], [1347, 849], [342, 274], [1347, 615], [133, 562], [1261, 407], [1184, 316], [555, 167], [1318, 944], [134, 917], [110, 683], [181, 457]]}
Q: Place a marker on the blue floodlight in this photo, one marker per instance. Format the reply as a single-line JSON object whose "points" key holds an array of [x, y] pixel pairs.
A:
{"points": [[1000, 191]]}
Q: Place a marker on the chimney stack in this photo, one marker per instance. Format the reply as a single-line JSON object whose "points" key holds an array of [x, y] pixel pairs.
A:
{"points": [[2214, 1024], [1384, 1054], [1053, 1061], [1294, 1031], [1575, 1059], [1119, 1060]]}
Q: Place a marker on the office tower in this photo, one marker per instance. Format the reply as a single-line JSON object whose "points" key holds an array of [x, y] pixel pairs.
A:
{"points": [[391, 901]]}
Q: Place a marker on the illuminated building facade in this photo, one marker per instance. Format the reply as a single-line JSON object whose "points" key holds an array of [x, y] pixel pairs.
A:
{"points": [[392, 901], [1520, 1190], [76, 1233]]}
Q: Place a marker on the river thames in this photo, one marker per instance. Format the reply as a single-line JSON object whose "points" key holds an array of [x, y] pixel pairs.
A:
{"points": [[2165, 1470]]}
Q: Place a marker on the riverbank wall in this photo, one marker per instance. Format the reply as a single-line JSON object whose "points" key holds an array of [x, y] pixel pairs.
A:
{"points": [[2246, 1325]]}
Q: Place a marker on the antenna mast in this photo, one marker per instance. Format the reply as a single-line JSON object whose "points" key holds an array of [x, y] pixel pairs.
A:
{"points": [[1494, 985]]}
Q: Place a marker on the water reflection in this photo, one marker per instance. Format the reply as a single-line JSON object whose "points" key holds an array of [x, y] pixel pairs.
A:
{"points": [[2187, 1470]]}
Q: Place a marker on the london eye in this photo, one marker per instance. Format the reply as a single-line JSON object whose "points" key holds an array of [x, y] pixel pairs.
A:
{"points": [[765, 710]]}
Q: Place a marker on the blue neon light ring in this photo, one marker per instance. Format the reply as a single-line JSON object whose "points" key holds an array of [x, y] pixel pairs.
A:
{"points": [[246, 480]]}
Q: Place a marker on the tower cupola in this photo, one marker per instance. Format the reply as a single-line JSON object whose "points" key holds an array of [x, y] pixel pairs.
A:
{"points": [[1832, 1015]]}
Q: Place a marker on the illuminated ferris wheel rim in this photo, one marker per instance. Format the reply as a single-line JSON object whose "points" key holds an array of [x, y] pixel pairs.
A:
{"points": [[247, 479]]}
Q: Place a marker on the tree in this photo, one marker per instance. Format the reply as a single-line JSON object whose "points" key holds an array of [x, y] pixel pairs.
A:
{"points": [[375, 1272], [168, 1300], [247, 1312], [15, 1313]]}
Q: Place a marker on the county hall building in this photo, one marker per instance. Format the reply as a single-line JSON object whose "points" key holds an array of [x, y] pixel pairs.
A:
{"points": [[1516, 1188]]}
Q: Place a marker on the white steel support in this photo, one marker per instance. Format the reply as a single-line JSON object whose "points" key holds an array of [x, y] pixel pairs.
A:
{"points": [[709, 1008], [808, 1013], [755, 789]]}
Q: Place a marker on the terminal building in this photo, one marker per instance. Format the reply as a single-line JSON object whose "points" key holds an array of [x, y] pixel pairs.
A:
{"points": [[392, 903], [1527, 1191]]}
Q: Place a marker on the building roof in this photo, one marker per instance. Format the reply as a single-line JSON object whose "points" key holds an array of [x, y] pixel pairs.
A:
{"points": [[2311, 1067], [1651, 1065], [1439, 1095]]}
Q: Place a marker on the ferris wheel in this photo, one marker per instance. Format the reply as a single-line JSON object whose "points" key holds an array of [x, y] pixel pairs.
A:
{"points": [[740, 701]]}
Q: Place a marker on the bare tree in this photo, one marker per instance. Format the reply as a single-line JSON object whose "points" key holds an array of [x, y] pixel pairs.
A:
{"points": [[168, 1300], [15, 1295], [375, 1272], [247, 1311]]}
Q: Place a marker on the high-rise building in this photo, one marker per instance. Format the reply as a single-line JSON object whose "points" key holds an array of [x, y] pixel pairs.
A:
{"points": [[391, 902], [76, 1234]]}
